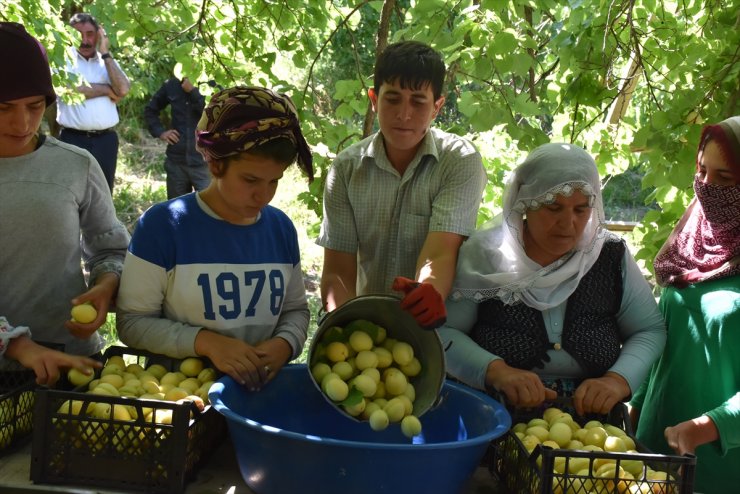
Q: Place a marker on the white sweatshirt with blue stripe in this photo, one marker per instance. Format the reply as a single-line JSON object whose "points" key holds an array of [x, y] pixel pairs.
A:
{"points": [[187, 269]]}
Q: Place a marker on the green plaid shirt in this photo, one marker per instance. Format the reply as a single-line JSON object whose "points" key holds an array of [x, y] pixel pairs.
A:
{"points": [[384, 217]]}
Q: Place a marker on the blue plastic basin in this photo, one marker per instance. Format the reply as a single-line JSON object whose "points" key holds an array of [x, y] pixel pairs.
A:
{"points": [[289, 440]]}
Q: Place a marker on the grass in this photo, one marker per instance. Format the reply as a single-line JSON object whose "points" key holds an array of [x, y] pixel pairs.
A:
{"points": [[140, 179], [140, 183]]}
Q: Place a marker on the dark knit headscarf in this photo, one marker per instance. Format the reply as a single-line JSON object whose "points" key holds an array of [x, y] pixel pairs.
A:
{"points": [[241, 118], [26, 70]]}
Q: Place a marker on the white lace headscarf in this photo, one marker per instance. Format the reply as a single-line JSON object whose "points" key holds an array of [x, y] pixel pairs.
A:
{"points": [[493, 262]]}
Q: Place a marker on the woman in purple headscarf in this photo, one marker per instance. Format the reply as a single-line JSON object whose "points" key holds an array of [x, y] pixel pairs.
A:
{"points": [[217, 273], [691, 401]]}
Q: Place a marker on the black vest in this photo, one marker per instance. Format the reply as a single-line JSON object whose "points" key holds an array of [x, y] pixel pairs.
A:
{"points": [[517, 332]]}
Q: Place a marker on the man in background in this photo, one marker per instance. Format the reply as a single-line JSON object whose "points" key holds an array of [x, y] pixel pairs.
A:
{"points": [[90, 124], [185, 167]]}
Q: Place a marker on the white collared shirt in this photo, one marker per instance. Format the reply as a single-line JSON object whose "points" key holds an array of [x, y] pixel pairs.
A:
{"points": [[91, 114]]}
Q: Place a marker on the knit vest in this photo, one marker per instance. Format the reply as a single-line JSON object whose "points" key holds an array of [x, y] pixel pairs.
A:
{"points": [[517, 332]]}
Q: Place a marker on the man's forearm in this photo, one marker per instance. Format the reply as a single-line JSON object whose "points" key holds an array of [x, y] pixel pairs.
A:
{"points": [[335, 292], [118, 80], [94, 90], [437, 261], [440, 273], [338, 278]]}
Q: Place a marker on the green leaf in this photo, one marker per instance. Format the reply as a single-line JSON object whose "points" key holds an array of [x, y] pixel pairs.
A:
{"points": [[183, 52], [344, 111], [504, 65], [377, 5], [660, 120], [483, 68], [359, 105], [354, 397], [496, 5], [334, 333], [480, 36], [521, 63], [428, 6], [285, 44], [503, 43], [347, 89], [640, 138], [299, 60], [362, 325], [468, 104], [525, 106]]}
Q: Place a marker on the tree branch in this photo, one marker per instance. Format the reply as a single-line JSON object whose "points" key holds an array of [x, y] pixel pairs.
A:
{"points": [[326, 43], [531, 53]]}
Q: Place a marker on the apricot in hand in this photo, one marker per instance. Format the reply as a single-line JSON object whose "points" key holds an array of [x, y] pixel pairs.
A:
{"points": [[84, 313]]}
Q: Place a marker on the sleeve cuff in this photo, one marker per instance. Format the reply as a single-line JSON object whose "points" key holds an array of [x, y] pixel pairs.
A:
{"points": [[105, 267], [632, 369], [8, 332]]}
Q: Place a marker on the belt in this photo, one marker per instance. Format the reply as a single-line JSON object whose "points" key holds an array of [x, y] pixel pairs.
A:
{"points": [[88, 133]]}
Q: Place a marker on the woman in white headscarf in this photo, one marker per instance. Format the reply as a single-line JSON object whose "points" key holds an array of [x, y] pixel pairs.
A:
{"points": [[547, 302]]}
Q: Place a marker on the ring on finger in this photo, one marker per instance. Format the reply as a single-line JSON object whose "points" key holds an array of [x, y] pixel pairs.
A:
{"points": [[268, 369]]}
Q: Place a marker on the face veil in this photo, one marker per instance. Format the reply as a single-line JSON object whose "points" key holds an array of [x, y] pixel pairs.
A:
{"points": [[705, 244]]}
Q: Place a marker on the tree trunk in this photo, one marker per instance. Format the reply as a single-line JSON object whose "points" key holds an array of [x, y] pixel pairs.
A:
{"points": [[383, 29]]}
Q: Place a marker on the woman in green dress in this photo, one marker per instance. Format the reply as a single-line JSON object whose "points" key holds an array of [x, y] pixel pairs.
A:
{"points": [[691, 400]]}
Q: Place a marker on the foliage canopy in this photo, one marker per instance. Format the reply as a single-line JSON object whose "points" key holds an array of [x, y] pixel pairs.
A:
{"points": [[632, 81]]}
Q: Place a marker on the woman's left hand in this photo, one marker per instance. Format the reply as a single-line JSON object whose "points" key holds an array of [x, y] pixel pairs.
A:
{"points": [[599, 395], [100, 296]]}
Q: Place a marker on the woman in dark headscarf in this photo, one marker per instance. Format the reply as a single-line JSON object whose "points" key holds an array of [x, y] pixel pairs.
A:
{"points": [[56, 213], [217, 273], [691, 401]]}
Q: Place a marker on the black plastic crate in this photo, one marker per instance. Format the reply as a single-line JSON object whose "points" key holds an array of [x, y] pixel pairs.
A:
{"points": [[69, 447], [520, 472], [16, 408], [17, 385]]}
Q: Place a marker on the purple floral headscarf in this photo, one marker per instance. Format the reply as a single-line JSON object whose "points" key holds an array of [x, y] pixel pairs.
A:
{"points": [[240, 118]]}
